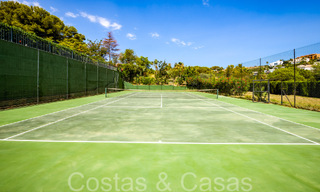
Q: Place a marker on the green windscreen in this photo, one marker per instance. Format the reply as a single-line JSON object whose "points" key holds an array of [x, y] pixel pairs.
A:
{"points": [[77, 78], [29, 75], [18, 73], [53, 76]]}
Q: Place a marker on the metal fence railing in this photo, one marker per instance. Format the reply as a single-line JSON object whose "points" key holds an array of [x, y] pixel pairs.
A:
{"points": [[19, 36]]}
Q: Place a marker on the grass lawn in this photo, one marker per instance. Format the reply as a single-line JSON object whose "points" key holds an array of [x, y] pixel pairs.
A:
{"points": [[310, 103]]}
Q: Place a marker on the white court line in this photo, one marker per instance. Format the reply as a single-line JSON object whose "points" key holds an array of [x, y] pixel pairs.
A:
{"points": [[67, 117], [257, 120], [157, 107], [266, 114], [154, 142], [161, 101], [138, 107], [52, 113]]}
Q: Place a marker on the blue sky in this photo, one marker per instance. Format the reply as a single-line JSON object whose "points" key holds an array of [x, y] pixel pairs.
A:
{"points": [[196, 32]]}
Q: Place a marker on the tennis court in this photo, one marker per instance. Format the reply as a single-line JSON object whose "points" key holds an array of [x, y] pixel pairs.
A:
{"points": [[148, 134], [166, 117]]}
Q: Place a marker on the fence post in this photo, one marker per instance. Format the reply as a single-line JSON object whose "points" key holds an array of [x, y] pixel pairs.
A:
{"points": [[268, 91], [67, 78], [294, 76], [38, 65], [11, 32], [107, 77], [98, 77], [281, 93], [253, 91], [85, 76]]}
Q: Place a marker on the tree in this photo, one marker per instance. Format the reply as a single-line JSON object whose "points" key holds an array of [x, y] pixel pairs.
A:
{"points": [[143, 64], [74, 40], [96, 51], [110, 44], [216, 68], [40, 22], [229, 70], [130, 71], [285, 74], [32, 19], [128, 56], [316, 71], [177, 72], [161, 73]]}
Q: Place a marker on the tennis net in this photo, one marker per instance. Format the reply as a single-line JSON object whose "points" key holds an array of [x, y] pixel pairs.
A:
{"points": [[164, 93]]}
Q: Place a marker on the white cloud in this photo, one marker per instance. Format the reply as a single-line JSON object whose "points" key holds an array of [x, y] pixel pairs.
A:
{"points": [[29, 3], [155, 35], [36, 4], [180, 43], [70, 14], [199, 47], [205, 2], [92, 18], [26, 3], [131, 36], [101, 20], [53, 9]]}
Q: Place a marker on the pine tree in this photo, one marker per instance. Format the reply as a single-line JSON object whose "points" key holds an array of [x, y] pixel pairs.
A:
{"points": [[110, 44]]}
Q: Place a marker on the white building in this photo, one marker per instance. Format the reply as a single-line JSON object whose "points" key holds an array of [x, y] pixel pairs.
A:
{"points": [[269, 71], [276, 63], [299, 59], [306, 67]]}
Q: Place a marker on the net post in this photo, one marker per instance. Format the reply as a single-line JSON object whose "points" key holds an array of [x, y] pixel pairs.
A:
{"points": [[105, 92], [217, 93]]}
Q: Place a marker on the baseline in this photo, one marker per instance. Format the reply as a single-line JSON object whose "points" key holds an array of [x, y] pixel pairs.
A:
{"points": [[154, 142]]}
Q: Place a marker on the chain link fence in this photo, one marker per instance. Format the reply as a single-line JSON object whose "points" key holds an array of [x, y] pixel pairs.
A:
{"points": [[294, 78]]}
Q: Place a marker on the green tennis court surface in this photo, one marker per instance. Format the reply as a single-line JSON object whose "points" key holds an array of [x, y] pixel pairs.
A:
{"points": [[146, 133]]}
